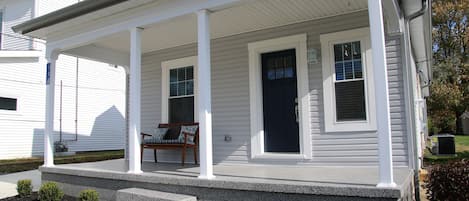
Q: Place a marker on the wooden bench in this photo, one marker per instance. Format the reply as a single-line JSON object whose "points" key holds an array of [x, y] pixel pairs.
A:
{"points": [[180, 145]]}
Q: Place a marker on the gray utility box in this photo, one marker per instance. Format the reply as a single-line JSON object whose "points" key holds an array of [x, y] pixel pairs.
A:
{"points": [[445, 145]]}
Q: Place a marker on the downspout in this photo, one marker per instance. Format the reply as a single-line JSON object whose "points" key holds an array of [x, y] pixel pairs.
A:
{"points": [[407, 20], [412, 74]]}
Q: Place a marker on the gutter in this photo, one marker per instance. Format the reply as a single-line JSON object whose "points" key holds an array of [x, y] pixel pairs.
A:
{"points": [[64, 14], [419, 12], [424, 73]]}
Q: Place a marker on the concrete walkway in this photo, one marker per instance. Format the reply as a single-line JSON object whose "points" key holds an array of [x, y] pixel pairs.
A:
{"points": [[8, 182]]}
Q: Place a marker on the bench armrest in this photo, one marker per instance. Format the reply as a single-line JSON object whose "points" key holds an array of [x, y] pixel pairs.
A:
{"points": [[143, 136]]}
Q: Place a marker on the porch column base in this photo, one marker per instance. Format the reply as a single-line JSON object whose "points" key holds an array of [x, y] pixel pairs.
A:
{"points": [[134, 172], [386, 185], [206, 177]]}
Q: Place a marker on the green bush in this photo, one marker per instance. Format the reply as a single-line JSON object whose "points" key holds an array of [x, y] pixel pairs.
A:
{"points": [[449, 181], [88, 195], [49, 191], [24, 188]]}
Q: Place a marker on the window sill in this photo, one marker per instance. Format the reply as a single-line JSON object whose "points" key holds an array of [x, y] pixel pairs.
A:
{"points": [[280, 156], [350, 127]]}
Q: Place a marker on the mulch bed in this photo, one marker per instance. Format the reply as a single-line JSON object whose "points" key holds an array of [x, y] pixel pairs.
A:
{"points": [[34, 198]]}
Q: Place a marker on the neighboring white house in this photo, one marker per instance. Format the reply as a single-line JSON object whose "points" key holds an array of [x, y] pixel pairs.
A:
{"points": [[90, 95], [330, 85]]}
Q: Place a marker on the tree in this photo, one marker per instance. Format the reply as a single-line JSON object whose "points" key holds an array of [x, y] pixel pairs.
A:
{"points": [[450, 89]]}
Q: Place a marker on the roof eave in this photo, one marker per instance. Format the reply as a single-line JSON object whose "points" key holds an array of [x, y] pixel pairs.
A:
{"points": [[64, 14]]}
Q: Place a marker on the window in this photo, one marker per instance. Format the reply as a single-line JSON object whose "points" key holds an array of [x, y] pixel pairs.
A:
{"points": [[8, 104], [348, 81], [178, 89], [181, 94]]}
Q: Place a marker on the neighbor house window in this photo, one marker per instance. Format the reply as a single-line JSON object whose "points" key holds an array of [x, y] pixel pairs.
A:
{"points": [[8, 104], [348, 81], [178, 89]]}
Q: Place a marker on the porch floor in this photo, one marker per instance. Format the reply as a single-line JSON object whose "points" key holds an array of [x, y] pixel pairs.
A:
{"points": [[342, 181]]}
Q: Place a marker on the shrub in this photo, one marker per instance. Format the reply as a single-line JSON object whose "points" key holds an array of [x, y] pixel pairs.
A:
{"points": [[49, 191], [89, 195], [449, 181], [24, 188]]}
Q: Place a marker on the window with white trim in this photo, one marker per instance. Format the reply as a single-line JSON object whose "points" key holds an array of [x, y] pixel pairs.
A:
{"points": [[179, 95], [348, 81]]}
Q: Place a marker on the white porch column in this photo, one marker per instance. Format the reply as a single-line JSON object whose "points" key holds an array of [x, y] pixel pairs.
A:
{"points": [[375, 13], [134, 101], [204, 103], [49, 125]]}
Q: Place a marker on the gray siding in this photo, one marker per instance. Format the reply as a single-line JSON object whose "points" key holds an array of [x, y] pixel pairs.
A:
{"points": [[14, 13], [230, 97]]}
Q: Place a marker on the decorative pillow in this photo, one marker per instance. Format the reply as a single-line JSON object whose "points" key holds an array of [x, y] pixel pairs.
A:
{"points": [[188, 129], [159, 133], [172, 134]]}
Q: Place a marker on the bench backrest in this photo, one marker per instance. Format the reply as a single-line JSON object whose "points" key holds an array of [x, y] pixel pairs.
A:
{"points": [[178, 127]]}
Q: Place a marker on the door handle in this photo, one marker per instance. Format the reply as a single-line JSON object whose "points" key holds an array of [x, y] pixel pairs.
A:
{"points": [[296, 110]]}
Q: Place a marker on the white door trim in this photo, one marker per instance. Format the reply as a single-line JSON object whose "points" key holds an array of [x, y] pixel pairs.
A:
{"points": [[165, 67], [297, 42]]}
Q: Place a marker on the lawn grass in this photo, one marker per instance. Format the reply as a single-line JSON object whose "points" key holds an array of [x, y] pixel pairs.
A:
{"points": [[23, 164], [462, 151]]}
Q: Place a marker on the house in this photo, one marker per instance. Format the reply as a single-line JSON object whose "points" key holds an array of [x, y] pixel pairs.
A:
{"points": [[90, 95], [464, 118], [296, 99]]}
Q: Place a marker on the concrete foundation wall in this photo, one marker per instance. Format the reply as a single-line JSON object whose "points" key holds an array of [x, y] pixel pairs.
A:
{"points": [[107, 189]]}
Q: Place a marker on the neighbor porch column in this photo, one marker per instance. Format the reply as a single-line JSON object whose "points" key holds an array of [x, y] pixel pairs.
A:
{"points": [[134, 101], [204, 103], [50, 96], [378, 47]]}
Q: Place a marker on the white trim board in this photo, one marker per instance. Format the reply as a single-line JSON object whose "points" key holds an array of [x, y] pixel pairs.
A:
{"points": [[165, 67], [297, 42]]}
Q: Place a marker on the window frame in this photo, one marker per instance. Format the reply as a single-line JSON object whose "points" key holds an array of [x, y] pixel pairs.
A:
{"points": [[18, 98], [166, 66], [328, 71]]}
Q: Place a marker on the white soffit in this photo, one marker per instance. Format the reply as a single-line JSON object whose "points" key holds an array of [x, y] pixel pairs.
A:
{"points": [[249, 16]]}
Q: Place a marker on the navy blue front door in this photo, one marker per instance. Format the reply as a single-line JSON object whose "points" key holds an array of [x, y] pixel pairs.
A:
{"points": [[280, 101]]}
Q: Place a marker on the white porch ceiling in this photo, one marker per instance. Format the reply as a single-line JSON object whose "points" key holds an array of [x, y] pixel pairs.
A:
{"points": [[249, 16]]}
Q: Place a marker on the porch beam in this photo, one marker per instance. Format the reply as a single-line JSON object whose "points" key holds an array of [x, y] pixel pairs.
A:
{"points": [[51, 58], [375, 12], [204, 103], [134, 101], [100, 54], [158, 13]]}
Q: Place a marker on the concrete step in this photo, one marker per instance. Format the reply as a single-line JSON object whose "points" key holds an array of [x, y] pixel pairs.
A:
{"points": [[140, 194]]}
